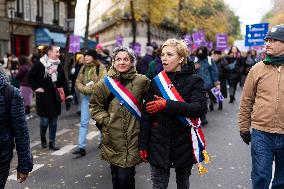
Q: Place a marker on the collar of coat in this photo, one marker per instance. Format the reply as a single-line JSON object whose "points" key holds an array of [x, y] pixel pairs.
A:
{"points": [[129, 75], [274, 60]]}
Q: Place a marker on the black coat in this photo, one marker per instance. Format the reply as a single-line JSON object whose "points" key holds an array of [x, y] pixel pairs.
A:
{"points": [[46, 103], [166, 139], [15, 133]]}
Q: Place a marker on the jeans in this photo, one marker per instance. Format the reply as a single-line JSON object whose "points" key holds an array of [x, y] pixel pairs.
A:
{"points": [[84, 125], [266, 147], [160, 177], [50, 122], [123, 178], [4, 173]]}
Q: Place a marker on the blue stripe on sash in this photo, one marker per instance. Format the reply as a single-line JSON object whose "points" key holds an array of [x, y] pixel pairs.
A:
{"points": [[121, 100]]}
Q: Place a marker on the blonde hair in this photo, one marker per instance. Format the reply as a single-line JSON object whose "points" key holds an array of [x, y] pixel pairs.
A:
{"points": [[181, 46]]}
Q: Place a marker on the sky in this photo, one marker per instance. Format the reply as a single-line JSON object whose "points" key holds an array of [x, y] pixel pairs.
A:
{"points": [[249, 11]]}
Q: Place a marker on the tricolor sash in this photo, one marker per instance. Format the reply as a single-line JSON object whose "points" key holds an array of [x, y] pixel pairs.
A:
{"points": [[169, 92], [125, 97]]}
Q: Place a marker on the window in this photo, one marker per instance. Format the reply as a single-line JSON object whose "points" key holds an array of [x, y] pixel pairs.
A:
{"points": [[27, 9], [39, 10], [56, 12], [19, 9]]}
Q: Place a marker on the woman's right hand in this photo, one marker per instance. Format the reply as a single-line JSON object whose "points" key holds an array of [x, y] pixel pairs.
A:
{"points": [[144, 155]]}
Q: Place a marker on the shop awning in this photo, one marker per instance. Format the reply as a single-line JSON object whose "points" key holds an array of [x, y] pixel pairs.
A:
{"points": [[44, 37], [91, 44]]}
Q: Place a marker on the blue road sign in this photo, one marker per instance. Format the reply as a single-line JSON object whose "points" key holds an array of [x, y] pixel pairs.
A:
{"points": [[255, 34]]}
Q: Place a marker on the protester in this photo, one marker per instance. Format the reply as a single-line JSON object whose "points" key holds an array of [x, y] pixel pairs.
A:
{"points": [[234, 66], [13, 130], [26, 90], [222, 71], [164, 140], [143, 66], [208, 71], [47, 79], [92, 71], [261, 110], [73, 74], [115, 105], [155, 66]]}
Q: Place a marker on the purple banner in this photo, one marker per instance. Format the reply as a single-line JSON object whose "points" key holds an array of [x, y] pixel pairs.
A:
{"points": [[217, 93], [119, 40], [137, 49], [199, 39], [74, 44], [187, 39], [221, 42]]}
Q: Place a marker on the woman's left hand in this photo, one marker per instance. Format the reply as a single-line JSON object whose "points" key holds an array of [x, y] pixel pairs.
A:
{"points": [[156, 105]]}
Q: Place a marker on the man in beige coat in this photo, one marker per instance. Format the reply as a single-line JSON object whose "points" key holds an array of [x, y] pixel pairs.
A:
{"points": [[262, 109]]}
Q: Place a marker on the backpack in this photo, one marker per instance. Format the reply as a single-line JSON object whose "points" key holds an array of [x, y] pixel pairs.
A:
{"points": [[8, 97]]}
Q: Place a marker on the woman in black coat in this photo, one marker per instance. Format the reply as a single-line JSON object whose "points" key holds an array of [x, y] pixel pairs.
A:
{"points": [[233, 65], [44, 78], [164, 140]]}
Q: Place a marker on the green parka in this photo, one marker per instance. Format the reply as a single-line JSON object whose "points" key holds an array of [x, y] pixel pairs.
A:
{"points": [[120, 128], [93, 71]]}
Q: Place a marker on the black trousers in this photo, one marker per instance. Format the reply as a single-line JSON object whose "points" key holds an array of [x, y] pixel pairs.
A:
{"points": [[123, 178], [4, 173]]}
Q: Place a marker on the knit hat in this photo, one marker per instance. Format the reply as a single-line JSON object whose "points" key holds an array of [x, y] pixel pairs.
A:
{"points": [[99, 46], [92, 53], [276, 32]]}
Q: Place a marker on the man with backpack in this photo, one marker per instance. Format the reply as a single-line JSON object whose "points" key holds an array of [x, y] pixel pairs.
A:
{"points": [[13, 131]]}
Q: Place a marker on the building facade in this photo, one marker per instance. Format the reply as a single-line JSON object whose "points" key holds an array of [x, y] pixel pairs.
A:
{"points": [[108, 28], [26, 24]]}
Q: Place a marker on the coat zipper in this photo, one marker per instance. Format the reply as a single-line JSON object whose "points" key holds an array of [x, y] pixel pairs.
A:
{"points": [[277, 100]]}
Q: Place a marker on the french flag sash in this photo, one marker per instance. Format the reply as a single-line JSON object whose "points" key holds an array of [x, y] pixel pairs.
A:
{"points": [[126, 98], [169, 92]]}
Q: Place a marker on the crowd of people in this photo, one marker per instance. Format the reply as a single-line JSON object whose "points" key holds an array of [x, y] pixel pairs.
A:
{"points": [[149, 109]]}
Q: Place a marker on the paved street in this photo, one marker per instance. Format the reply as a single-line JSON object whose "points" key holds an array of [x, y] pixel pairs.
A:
{"points": [[229, 167]]}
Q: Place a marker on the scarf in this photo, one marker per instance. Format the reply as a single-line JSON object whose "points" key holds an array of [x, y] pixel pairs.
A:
{"points": [[50, 67], [274, 60], [129, 75]]}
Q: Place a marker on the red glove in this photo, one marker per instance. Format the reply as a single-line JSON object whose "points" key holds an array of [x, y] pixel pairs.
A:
{"points": [[156, 105], [144, 155]]}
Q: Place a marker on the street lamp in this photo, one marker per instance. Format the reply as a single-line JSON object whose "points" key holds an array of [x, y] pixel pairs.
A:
{"points": [[11, 8]]}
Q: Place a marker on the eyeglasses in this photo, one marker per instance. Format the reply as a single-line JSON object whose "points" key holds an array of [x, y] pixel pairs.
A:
{"points": [[270, 41], [122, 59]]}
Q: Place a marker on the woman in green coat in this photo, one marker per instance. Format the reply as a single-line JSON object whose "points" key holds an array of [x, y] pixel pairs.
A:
{"points": [[115, 104]]}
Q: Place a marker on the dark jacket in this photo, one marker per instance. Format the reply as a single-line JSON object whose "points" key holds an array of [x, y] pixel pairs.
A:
{"points": [[208, 72], [14, 133], [166, 139], [46, 103], [143, 66], [234, 67]]}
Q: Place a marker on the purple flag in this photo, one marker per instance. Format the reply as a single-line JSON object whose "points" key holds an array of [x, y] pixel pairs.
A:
{"points": [[137, 49], [187, 39], [74, 45], [217, 93], [119, 40], [199, 39], [221, 42]]}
